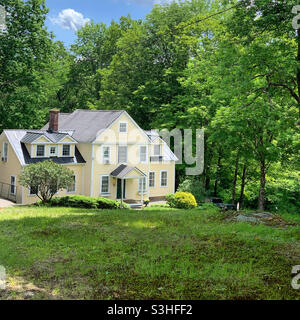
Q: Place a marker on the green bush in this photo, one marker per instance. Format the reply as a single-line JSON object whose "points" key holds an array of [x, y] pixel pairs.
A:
{"points": [[181, 200], [208, 206], [78, 201], [123, 205], [195, 187]]}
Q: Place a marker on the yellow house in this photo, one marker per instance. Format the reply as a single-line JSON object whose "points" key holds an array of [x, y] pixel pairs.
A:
{"points": [[110, 155]]}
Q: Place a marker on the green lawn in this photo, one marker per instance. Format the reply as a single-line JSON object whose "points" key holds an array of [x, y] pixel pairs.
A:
{"points": [[65, 253]]}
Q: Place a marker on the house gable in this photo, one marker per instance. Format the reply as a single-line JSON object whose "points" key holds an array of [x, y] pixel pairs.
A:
{"points": [[133, 135]]}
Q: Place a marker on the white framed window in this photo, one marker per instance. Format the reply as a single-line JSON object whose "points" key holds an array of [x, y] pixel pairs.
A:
{"points": [[157, 149], [33, 191], [142, 183], [123, 127], [152, 179], [66, 150], [164, 178], [143, 153], [104, 184], [122, 154], [40, 150], [106, 154], [5, 151], [13, 185], [72, 187], [53, 151]]}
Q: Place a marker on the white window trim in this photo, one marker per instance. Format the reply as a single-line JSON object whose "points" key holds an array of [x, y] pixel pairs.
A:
{"points": [[3, 146], [161, 171], [141, 153], [126, 153], [155, 145], [109, 154], [75, 175], [139, 189], [36, 150], [62, 150], [154, 179], [123, 122], [31, 194], [54, 154], [108, 192], [15, 185]]}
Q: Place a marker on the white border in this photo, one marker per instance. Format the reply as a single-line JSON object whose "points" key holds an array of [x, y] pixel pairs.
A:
{"points": [[161, 171]]}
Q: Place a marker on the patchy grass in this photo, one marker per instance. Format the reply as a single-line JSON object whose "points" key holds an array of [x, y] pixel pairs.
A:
{"points": [[65, 253]]}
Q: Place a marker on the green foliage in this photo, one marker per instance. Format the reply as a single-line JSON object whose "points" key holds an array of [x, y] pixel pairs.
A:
{"points": [[47, 177], [181, 200], [208, 206], [136, 253], [79, 201], [195, 187]]}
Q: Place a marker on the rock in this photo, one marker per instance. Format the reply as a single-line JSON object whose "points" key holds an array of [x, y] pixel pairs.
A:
{"points": [[28, 294], [244, 218]]}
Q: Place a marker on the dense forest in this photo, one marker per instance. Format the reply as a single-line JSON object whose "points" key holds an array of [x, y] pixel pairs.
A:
{"points": [[229, 67]]}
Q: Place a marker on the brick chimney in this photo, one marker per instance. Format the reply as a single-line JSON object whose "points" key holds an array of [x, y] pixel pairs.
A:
{"points": [[53, 120]]}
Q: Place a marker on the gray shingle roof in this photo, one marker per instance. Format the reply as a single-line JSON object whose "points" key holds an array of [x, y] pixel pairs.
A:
{"points": [[32, 135], [16, 136], [87, 124], [61, 160], [121, 171]]}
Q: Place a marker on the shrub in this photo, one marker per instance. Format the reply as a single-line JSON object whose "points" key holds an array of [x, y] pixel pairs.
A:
{"points": [[181, 200], [78, 201], [208, 206], [123, 205], [195, 187], [170, 198]]}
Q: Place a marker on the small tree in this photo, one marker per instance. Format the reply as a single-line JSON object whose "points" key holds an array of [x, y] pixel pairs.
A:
{"points": [[46, 178]]}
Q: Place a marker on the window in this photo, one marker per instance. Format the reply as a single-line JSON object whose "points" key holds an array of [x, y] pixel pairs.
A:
{"points": [[122, 154], [72, 186], [5, 151], [104, 188], [33, 190], [164, 178], [123, 127], [53, 151], [106, 154], [143, 154], [12, 184], [151, 179], [66, 150], [157, 149], [40, 151], [142, 183]]}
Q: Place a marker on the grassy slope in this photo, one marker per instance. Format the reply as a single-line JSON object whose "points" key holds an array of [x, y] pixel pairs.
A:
{"points": [[72, 253]]}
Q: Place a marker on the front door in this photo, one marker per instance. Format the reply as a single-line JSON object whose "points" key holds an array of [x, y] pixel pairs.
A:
{"points": [[119, 189]]}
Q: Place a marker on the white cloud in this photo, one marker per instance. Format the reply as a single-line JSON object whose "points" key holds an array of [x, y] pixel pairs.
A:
{"points": [[70, 19]]}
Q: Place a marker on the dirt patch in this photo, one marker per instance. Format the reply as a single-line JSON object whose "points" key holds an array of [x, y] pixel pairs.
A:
{"points": [[6, 204]]}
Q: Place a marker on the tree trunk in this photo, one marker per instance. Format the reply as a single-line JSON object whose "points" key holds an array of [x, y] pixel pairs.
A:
{"points": [[218, 175], [298, 70], [235, 178], [241, 199], [262, 196]]}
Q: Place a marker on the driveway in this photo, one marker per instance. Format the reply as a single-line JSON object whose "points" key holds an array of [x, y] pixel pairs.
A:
{"points": [[6, 203]]}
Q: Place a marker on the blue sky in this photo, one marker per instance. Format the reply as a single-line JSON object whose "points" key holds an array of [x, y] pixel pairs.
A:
{"points": [[66, 16]]}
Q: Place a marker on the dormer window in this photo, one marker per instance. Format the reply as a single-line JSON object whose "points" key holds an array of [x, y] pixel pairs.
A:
{"points": [[66, 150], [53, 151], [123, 127], [40, 150]]}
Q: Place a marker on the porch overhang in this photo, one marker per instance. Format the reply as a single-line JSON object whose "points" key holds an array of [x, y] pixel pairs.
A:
{"points": [[123, 171]]}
